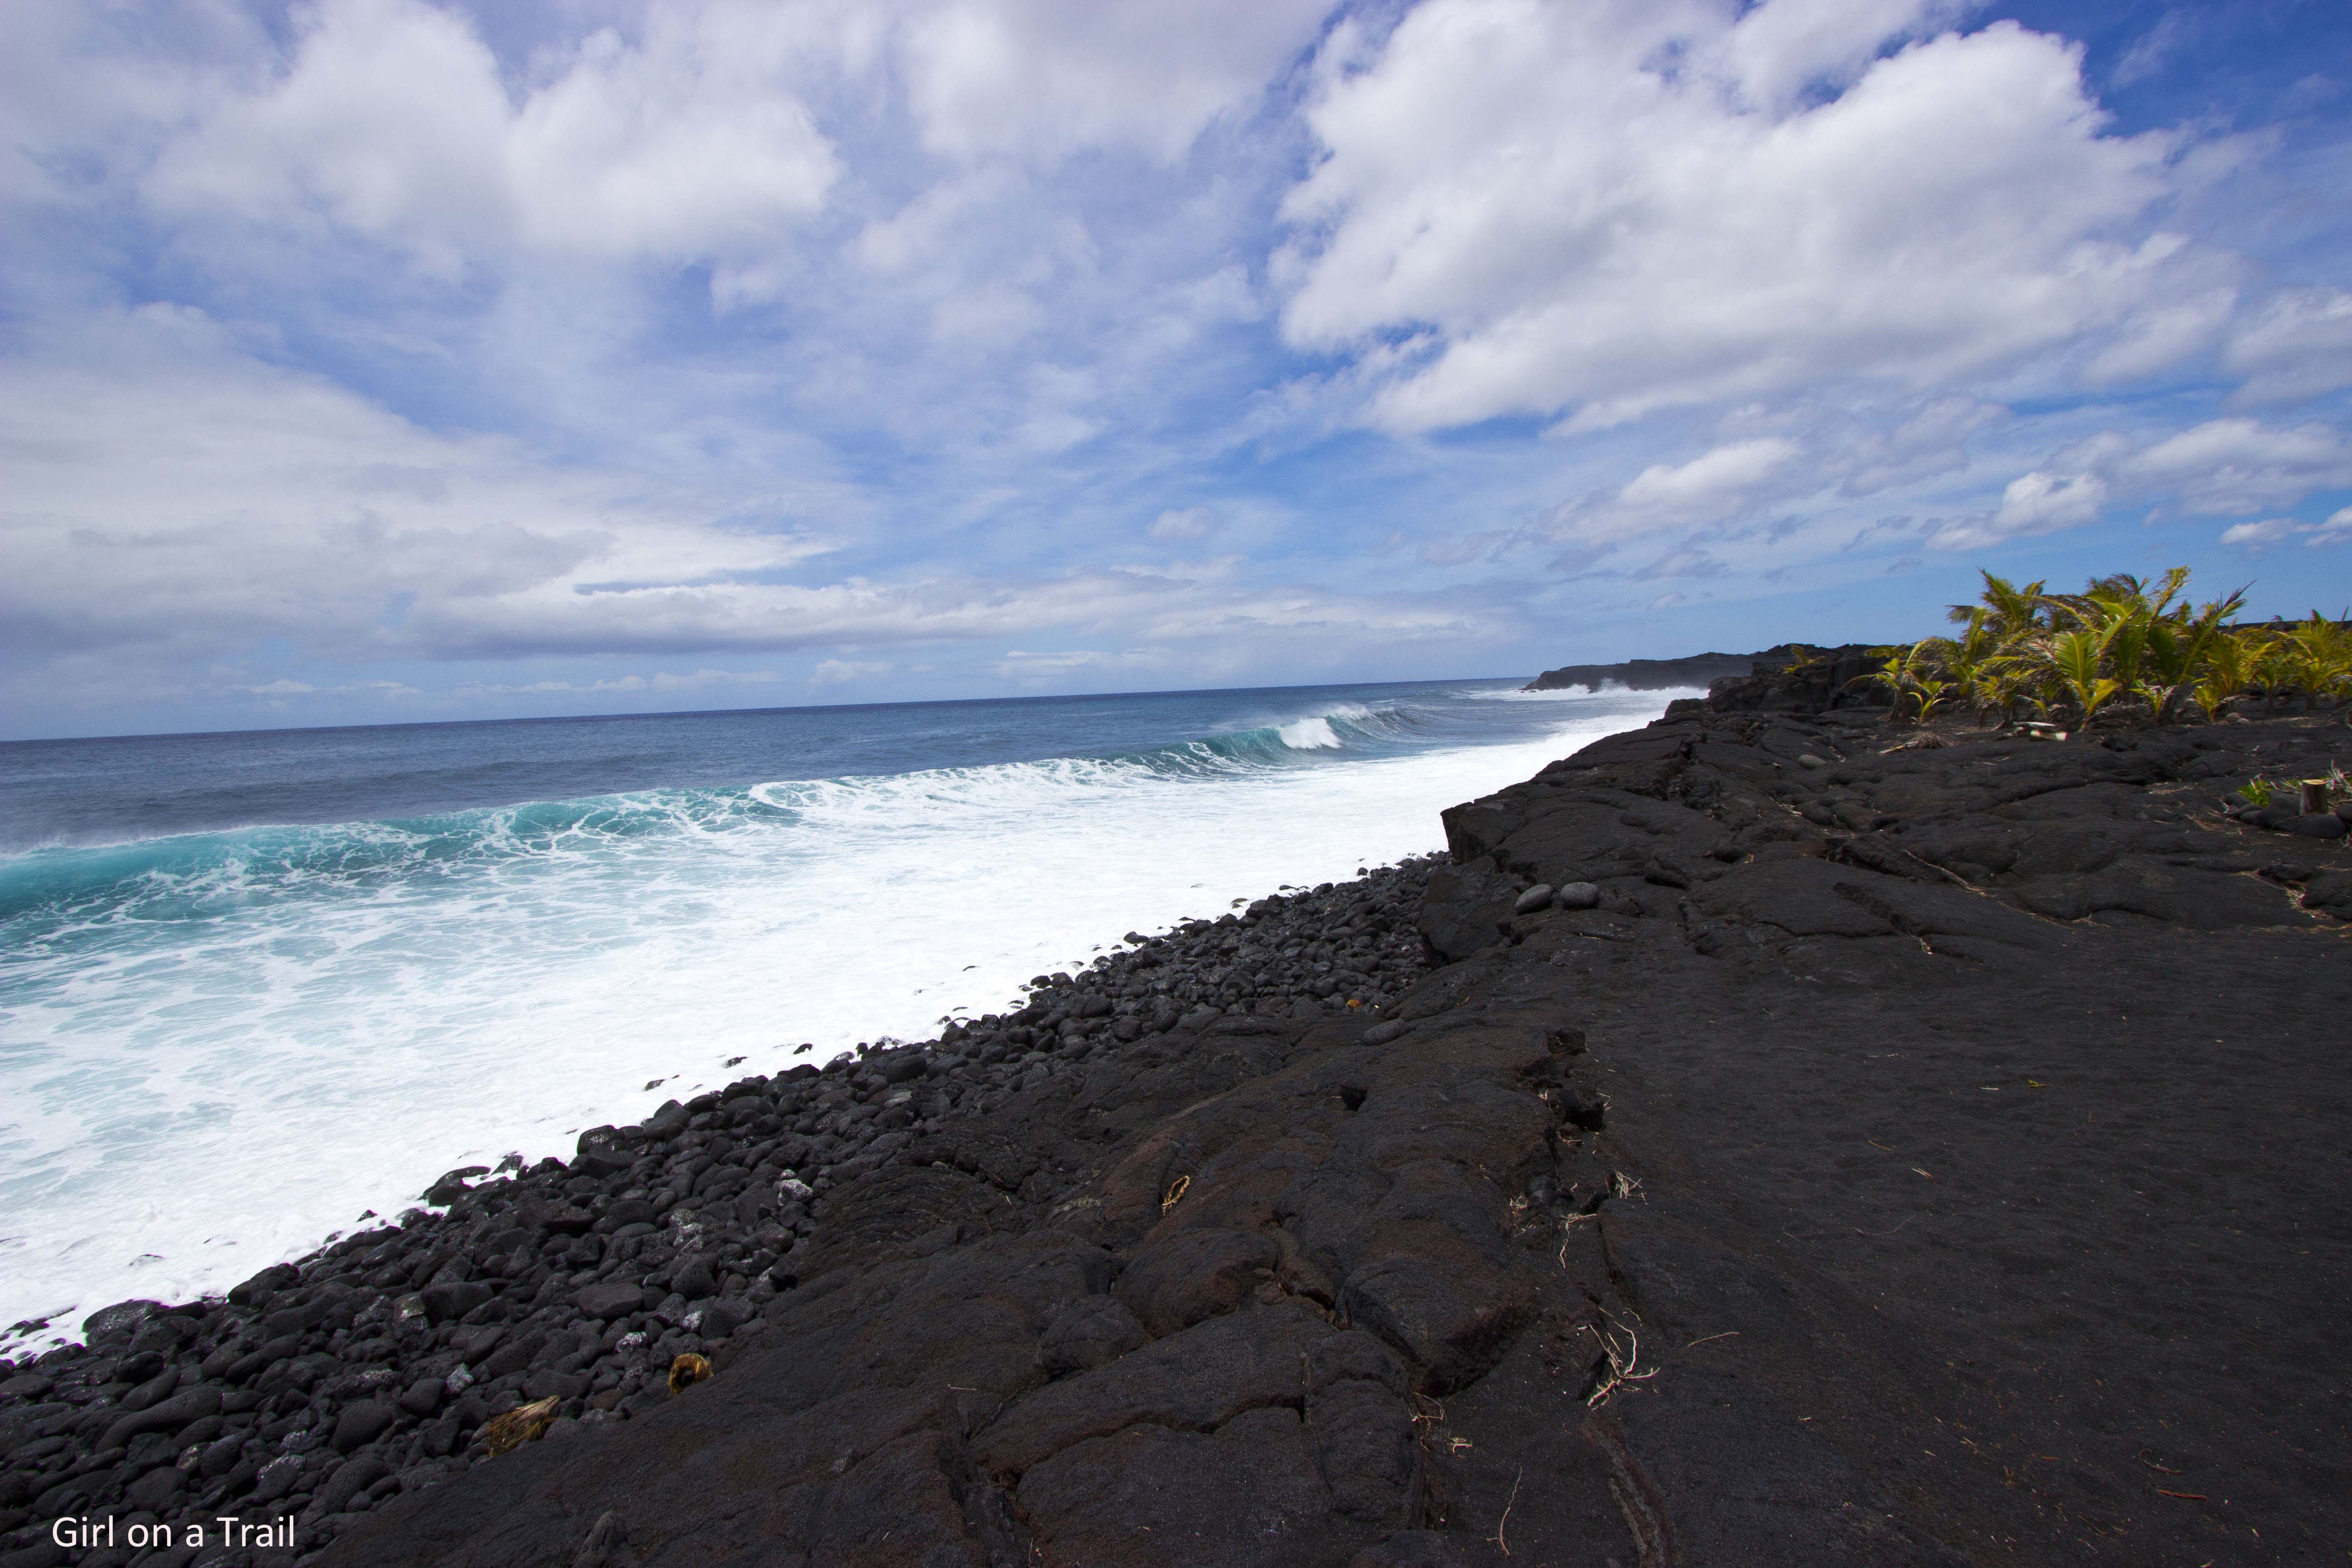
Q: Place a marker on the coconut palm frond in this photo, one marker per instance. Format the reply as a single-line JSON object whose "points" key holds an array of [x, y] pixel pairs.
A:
{"points": [[2076, 658]]}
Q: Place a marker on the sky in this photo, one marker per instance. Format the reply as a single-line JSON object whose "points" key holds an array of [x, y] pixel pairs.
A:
{"points": [[376, 361]]}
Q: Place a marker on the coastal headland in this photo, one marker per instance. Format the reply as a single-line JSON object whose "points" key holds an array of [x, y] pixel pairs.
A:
{"points": [[1842, 668], [1646, 674], [1764, 1137]]}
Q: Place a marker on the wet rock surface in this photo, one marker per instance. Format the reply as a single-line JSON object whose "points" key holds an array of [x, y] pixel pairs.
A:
{"points": [[1906, 1156]]}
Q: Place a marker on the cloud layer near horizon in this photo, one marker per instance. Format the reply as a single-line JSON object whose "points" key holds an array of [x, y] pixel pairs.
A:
{"points": [[381, 358]]}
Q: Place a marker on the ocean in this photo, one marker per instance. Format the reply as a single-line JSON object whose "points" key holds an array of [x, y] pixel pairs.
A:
{"points": [[256, 987]]}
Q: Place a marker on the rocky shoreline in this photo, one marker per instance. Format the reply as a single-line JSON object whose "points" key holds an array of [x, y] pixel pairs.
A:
{"points": [[318, 1390], [1739, 1148]]}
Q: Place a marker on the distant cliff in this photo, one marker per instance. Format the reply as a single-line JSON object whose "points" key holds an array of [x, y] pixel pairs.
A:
{"points": [[1790, 677], [1646, 674]]}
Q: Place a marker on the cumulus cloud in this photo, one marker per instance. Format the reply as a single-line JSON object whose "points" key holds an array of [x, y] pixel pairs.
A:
{"points": [[1607, 209], [692, 134], [1777, 52], [392, 118]]}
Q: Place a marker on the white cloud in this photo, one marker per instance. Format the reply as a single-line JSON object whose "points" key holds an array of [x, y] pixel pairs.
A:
{"points": [[661, 682], [1715, 487], [2162, 335], [1040, 668], [173, 500], [551, 618], [2299, 346], [393, 118], [1787, 495], [1488, 545], [2335, 529], [1817, 466], [1930, 442], [1043, 78], [2045, 503], [1707, 482], [1782, 48], [2270, 530], [915, 232], [2148, 55], [1527, 208], [1185, 524], [2217, 468], [2226, 466], [841, 671], [170, 493]]}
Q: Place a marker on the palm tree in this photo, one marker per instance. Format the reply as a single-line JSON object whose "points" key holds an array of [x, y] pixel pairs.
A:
{"points": [[2178, 648], [2121, 637], [2225, 670], [1914, 677], [2319, 653], [2007, 613], [2274, 660], [2075, 659]]}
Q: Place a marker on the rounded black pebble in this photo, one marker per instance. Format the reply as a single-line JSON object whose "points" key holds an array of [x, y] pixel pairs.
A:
{"points": [[724, 1315], [363, 1424], [2320, 825], [693, 1279], [612, 1299]]}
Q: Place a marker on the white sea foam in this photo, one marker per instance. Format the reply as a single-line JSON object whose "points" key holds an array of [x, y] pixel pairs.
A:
{"points": [[1310, 735], [335, 1020]]}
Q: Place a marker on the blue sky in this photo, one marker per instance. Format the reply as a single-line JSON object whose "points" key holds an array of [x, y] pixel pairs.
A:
{"points": [[379, 360]]}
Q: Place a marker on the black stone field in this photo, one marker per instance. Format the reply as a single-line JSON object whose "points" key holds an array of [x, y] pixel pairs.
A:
{"points": [[1767, 1138]]}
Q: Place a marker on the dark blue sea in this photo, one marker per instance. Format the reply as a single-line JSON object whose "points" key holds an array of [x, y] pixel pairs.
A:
{"points": [[252, 985]]}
